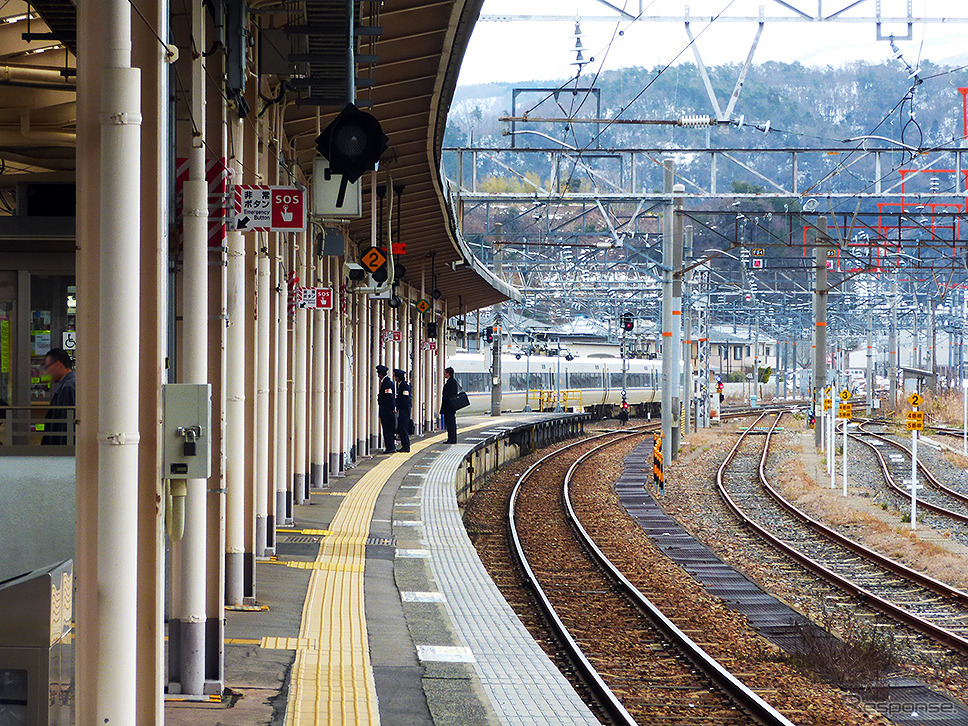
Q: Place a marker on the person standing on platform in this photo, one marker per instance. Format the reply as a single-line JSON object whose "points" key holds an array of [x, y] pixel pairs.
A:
{"points": [[386, 401], [59, 366], [446, 405], [404, 408]]}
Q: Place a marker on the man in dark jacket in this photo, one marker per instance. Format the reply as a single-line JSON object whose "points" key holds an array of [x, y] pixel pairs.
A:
{"points": [[386, 400], [446, 407], [59, 366], [404, 408]]}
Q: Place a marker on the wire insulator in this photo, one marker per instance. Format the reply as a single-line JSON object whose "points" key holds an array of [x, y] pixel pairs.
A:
{"points": [[695, 121]]}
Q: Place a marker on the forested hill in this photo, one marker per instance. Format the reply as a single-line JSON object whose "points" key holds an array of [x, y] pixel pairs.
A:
{"points": [[804, 105]]}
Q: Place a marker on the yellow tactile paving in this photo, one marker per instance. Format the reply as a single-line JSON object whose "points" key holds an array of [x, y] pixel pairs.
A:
{"points": [[332, 679]]}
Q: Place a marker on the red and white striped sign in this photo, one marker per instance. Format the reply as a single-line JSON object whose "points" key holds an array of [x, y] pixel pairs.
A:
{"points": [[216, 174]]}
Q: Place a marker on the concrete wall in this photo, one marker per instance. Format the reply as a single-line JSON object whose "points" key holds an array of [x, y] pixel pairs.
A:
{"points": [[36, 512]]}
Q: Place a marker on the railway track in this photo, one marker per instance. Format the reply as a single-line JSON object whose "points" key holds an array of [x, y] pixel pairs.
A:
{"points": [[638, 665], [922, 603], [933, 494]]}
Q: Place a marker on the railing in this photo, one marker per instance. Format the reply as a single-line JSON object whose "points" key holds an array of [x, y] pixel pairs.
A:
{"points": [[566, 399], [26, 431]]}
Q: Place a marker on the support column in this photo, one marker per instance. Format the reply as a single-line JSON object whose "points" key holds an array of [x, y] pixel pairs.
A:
{"points": [[300, 482], [819, 325], [334, 379], [671, 311], [354, 392], [669, 351], [870, 363], [107, 564], [263, 523], [236, 442], [687, 396], [892, 352]]}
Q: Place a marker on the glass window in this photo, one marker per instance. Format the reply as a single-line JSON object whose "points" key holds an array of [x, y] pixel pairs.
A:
{"points": [[53, 308], [13, 697]]}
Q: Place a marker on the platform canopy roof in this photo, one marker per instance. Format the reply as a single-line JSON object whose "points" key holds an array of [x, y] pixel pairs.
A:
{"points": [[408, 54]]}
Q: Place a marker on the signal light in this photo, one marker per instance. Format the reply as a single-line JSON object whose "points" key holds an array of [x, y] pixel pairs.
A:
{"points": [[352, 143], [431, 331], [628, 322], [489, 334]]}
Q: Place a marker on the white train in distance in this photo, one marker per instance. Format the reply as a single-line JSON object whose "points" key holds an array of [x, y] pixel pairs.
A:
{"points": [[598, 379]]}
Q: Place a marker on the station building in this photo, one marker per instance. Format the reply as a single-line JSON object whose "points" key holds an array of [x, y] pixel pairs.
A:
{"points": [[130, 133]]}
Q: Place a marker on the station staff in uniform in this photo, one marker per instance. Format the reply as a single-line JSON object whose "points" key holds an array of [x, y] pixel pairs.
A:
{"points": [[404, 408], [446, 407], [386, 401]]}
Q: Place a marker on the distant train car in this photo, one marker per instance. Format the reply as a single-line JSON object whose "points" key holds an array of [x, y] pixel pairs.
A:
{"points": [[599, 381]]}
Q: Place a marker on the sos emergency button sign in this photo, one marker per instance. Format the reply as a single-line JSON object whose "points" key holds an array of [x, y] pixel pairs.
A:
{"points": [[266, 208]]}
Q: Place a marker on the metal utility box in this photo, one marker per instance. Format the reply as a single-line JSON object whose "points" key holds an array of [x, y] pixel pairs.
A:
{"points": [[187, 430], [37, 647]]}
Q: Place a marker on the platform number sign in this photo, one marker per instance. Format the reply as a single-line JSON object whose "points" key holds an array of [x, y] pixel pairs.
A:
{"points": [[845, 410], [827, 403], [915, 420], [423, 306], [915, 399], [373, 259], [845, 395]]}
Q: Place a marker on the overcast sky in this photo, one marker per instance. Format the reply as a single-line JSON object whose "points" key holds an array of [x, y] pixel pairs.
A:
{"points": [[521, 51]]}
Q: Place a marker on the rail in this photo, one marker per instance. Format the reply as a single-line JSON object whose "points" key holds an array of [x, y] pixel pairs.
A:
{"points": [[729, 684], [892, 482], [939, 634], [26, 431]]}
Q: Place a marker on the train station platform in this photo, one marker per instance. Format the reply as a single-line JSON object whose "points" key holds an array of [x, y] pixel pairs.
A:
{"points": [[376, 608]]}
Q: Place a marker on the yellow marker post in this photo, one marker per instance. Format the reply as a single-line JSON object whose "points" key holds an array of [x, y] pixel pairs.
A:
{"points": [[915, 421]]}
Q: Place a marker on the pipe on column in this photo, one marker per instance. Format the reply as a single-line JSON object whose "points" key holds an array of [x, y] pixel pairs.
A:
{"points": [[345, 395], [318, 440], [283, 494], [334, 379], [333, 280], [369, 362], [362, 358], [236, 446], [370, 383], [119, 343], [300, 483], [263, 313]]}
